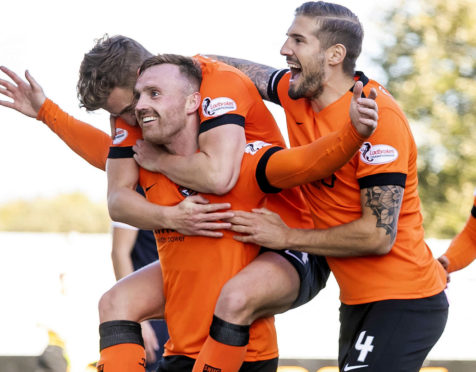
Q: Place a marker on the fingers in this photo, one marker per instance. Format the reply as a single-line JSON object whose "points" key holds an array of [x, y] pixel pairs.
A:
{"points": [[32, 81], [373, 94], [11, 75], [358, 87]]}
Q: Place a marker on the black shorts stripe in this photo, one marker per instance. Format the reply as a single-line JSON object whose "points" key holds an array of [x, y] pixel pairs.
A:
{"points": [[263, 182], [473, 211], [222, 120], [383, 179], [120, 152], [273, 85]]}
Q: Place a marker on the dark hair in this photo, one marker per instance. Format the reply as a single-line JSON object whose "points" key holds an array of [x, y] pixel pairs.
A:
{"points": [[336, 24], [187, 66], [113, 62]]}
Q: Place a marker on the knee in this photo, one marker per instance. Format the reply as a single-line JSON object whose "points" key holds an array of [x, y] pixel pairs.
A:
{"points": [[234, 305], [112, 306]]}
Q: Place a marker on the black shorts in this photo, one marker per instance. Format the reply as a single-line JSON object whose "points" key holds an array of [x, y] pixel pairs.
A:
{"points": [[180, 363], [390, 335], [313, 273]]}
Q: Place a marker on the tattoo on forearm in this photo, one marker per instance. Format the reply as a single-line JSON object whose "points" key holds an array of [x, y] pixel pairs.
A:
{"points": [[385, 202], [259, 74]]}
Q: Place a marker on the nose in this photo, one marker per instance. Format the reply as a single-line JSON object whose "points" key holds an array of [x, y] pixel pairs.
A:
{"points": [[285, 49]]}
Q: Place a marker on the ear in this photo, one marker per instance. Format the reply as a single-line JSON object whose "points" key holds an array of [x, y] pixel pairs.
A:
{"points": [[336, 54], [193, 102]]}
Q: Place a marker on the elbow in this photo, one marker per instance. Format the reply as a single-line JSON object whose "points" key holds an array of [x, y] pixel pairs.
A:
{"points": [[221, 184], [381, 245], [113, 208]]}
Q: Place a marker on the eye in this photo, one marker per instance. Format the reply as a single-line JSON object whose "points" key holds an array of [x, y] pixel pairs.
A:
{"points": [[154, 93]]}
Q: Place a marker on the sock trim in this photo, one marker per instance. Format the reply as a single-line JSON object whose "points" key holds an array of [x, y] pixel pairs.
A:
{"points": [[229, 333], [117, 332]]}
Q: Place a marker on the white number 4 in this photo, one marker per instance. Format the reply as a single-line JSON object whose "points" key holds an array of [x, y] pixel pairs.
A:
{"points": [[364, 347]]}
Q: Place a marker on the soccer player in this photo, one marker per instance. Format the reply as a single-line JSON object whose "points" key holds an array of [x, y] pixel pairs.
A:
{"points": [[285, 279], [166, 109], [462, 250], [367, 214]]}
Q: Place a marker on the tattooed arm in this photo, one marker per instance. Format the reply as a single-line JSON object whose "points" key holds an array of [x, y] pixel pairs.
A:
{"points": [[372, 234], [259, 74]]}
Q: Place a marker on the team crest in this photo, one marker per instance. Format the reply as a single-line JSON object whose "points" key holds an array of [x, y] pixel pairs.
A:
{"points": [[120, 135], [217, 106], [377, 154], [186, 192], [253, 147]]}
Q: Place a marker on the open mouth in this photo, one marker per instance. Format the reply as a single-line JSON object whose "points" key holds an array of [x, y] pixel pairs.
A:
{"points": [[295, 70], [148, 119]]}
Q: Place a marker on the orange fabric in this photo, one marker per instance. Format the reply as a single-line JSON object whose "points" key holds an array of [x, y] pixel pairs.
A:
{"points": [[409, 270], [195, 268], [236, 94], [462, 250], [85, 140], [122, 358], [230, 88], [319, 159], [221, 357]]}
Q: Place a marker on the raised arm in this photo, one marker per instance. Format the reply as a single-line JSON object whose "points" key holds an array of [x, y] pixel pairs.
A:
{"points": [[258, 73], [29, 99]]}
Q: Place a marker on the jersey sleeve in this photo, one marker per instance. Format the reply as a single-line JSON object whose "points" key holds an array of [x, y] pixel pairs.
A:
{"points": [[85, 140], [225, 100], [383, 159], [278, 85], [126, 136], [462, 250]]}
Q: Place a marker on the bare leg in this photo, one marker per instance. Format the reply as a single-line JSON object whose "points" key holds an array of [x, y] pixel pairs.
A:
{"points": [[136, 297], [268, 285]]}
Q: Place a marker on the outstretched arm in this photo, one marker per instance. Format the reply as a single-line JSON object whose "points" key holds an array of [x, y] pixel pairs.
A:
{"points": [[29, 99], [321, 158], [258, 73], [372, 234], [462, 250]]}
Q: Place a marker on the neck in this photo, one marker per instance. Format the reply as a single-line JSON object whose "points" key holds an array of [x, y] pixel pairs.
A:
{"points": [[185, 142], [335, 86]]}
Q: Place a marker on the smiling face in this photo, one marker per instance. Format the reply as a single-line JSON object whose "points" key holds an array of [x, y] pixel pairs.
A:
{"points": [[305, 58], [161, 109]]}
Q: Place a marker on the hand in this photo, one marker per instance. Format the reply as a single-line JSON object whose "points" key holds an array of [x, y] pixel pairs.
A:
{"points": [[195, 216], [262, 227], [148, 155], [28, 97], [364, 111], [151, 344], [445, 262]]}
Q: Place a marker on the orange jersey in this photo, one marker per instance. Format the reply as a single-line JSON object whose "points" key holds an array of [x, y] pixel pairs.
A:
{"points": [[230, 97], [195, 268], [87, 141], [387, 158], [462, 250]]}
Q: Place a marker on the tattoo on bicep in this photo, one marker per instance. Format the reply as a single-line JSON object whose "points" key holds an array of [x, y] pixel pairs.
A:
{"points": [[385, 202]]}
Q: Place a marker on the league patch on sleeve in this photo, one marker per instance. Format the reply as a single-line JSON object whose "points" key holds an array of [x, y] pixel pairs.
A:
{"points": [[217, 106], [377, 154], [121, 135], [253, 147]]}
